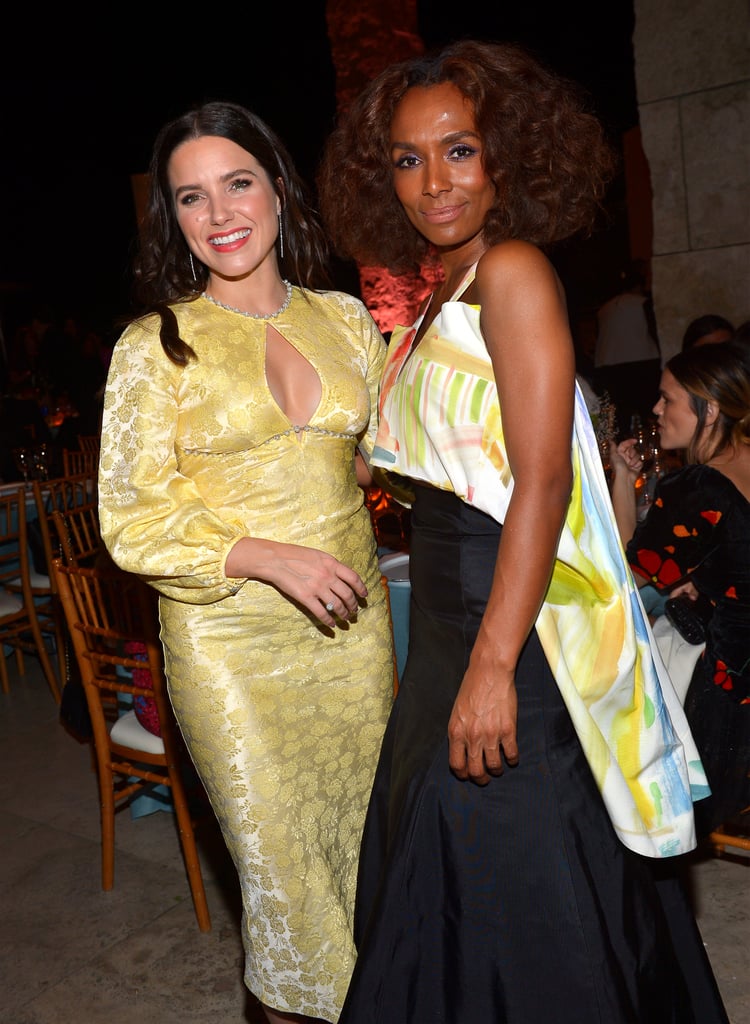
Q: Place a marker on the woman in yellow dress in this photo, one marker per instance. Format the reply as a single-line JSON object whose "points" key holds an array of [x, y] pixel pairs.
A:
{"points": [[239, 412]]}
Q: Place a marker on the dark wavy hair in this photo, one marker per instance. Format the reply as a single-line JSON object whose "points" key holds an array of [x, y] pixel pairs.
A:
{"points": [[544, 150], [163, 274], [720, 374]]}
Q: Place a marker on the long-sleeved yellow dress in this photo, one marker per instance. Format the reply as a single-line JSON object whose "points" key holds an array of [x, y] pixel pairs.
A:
{"points": [[283, 717]]}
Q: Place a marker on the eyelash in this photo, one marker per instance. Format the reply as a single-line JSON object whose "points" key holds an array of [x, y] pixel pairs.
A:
{"points": [[237, 185], [461, 151]]}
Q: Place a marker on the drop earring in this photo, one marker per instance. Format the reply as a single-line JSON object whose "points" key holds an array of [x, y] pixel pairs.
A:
{"points": [[281, 237], [192, 267]]}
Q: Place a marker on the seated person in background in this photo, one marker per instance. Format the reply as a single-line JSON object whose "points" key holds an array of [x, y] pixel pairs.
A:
{"points": [[706, 330], [699, 524], [627, 358]]}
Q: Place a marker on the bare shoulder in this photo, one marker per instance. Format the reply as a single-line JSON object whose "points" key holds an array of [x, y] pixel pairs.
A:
{"points": [[514, 261], [517, 276]]}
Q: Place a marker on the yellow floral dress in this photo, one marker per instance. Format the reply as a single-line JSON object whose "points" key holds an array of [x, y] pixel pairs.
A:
{"points": [[282, 716]]}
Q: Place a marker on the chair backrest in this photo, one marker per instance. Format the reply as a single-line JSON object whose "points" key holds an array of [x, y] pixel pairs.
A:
{"points": [[88, 442], [77, 461], [107, 611], [20, 615], [59, 494], [78, 537], [13, 537]]}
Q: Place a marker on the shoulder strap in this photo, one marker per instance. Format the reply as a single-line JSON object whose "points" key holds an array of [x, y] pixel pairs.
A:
{"points": [[468, 280]]}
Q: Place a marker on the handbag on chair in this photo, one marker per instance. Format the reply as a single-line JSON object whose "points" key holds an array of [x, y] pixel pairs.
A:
{"points": [[690, 618]]}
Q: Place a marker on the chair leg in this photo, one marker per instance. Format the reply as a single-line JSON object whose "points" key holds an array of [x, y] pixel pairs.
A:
{"points": [[107, 813], [190, 851], [4, 683], [60, 642], [735, 832], [44, 660]]}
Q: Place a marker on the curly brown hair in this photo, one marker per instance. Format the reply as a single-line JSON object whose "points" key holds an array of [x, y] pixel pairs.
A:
{"points": [[543, 148]]}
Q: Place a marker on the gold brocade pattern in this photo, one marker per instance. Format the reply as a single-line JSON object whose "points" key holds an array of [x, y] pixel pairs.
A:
{"points": [[283, 717]]}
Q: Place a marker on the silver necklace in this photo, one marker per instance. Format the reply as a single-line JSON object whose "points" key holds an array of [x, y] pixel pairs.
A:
{"points": [[255, 316]]}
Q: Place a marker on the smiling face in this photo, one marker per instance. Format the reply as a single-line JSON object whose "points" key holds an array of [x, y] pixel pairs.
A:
{"points": [[225, 204], [677, 421], [437, 166]]}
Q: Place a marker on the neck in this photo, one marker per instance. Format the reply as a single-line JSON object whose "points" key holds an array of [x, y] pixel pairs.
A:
{"points": [[257, 295], [258, 307], [725, 456]]}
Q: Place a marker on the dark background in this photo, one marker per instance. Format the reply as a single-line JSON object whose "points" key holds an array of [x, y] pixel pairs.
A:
{"points": [[83, 98]]}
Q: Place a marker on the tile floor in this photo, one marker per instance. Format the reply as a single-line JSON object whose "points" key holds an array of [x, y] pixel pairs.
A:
{"points": [[72, 953]]}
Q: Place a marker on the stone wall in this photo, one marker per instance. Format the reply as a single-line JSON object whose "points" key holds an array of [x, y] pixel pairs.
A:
{"points": [[692, 65]]}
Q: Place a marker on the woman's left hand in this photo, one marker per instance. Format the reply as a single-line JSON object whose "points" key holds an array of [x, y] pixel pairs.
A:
{"points": [[482, 726], [685, 590], [625, 457]]}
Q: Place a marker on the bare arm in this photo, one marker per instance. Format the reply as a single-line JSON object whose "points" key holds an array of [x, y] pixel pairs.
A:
{"points": [[525, 325], [307, 575], [626, 465]]}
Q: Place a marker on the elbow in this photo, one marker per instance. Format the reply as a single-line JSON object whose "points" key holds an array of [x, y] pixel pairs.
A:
{"points": [[559, 488], [544, 490], [556, 496]]}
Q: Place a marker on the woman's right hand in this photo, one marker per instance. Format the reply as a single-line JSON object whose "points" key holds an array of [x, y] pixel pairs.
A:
{"points": [[312, 578], [482, 726]]}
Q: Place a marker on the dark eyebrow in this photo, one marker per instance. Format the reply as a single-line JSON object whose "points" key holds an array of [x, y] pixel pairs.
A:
{"points": [[225, 177]]}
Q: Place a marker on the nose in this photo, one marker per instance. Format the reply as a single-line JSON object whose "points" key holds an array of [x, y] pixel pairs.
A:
{"points": [[659, 407], [435, 178], [220, 209]]}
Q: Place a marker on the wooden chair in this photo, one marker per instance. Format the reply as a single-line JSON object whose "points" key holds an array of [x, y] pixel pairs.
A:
{"points": [[76, 461], [107, 611], [20, 623], [50, 496], [734, 833], [88, 442], [78, 536]]}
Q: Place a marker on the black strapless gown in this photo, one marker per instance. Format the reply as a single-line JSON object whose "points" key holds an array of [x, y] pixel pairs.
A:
{"points": [[511, 903]]}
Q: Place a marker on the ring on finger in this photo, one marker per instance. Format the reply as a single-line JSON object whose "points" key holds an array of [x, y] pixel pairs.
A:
{"points": [[329, 606]]}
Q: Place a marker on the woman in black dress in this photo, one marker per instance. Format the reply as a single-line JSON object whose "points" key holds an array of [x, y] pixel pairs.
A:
{"points": [[699, 524], [493, 887]]}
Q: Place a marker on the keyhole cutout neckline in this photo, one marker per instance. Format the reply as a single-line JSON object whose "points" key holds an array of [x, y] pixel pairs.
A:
{"points": [[291, 379]]}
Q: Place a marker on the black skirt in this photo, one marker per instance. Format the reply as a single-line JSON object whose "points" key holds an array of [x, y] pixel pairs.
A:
{"points": [[514, 902]]}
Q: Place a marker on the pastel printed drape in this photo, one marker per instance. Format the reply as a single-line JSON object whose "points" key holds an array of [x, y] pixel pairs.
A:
{"points": [[440, 423]]}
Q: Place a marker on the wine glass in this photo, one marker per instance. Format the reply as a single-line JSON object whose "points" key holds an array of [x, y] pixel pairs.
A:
{"points": [[41, 461], [23, 460]]}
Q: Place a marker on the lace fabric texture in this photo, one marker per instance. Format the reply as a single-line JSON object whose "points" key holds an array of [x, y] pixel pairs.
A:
{"points": [[283, 718]]}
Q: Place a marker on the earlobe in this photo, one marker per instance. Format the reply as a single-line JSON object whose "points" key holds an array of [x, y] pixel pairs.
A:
{"points": [[712, 412]]}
